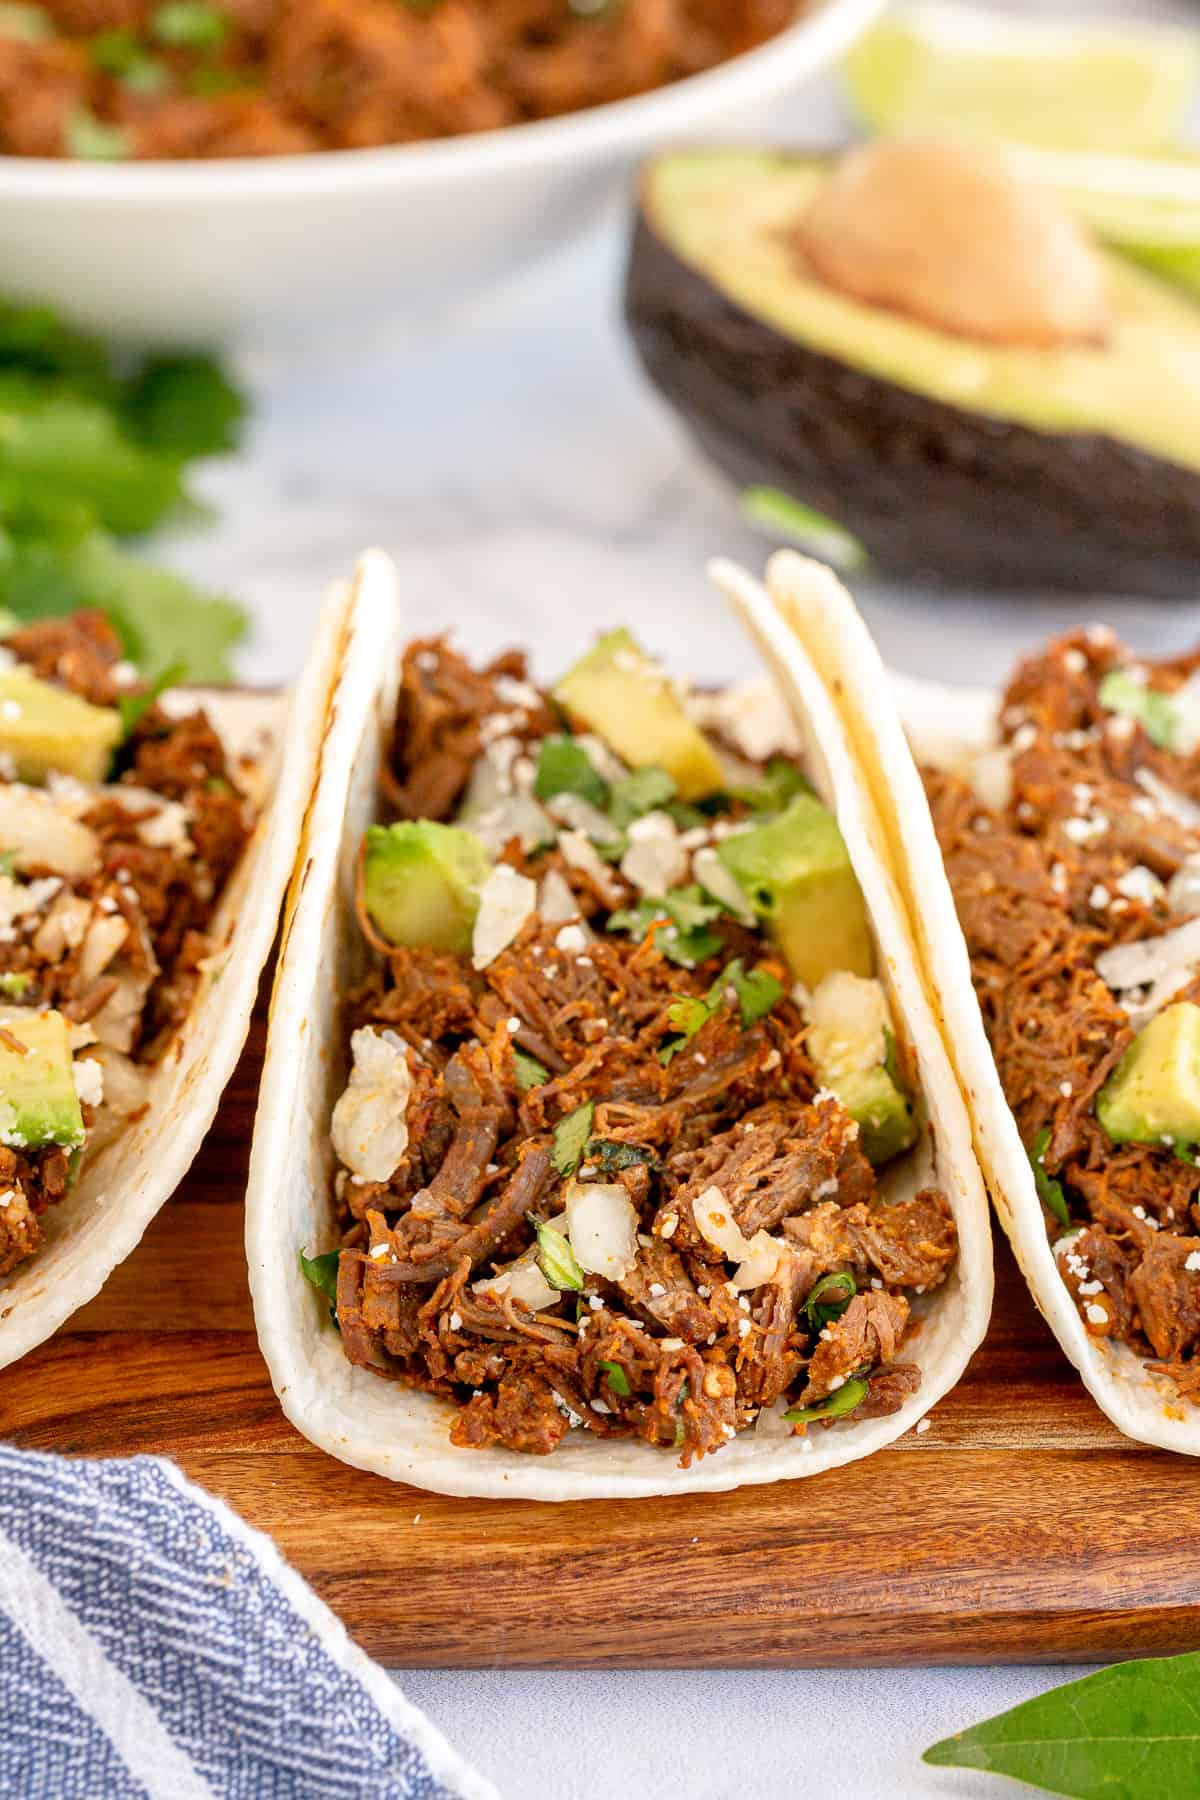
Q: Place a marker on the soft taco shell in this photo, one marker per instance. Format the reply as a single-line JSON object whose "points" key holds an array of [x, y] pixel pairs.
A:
{"points": [[124, 1183], [891, 720], [402, 1433]]}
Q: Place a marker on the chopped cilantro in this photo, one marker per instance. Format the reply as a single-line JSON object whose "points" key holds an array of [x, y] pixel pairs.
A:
{"points": [[829, 1298], [1049, 1191], [781, 782], [134, 707], [1188, 1153], [646, 790], [612, 1155], [189, 25], [570, 1135], [14, 984], [185, 405], [120, 53], [1122, 692], [618, 1380], [530, 1072], [564, 767], [90, 140], [322, 1271], [680, 1430], [557, 1259], [756, 992], [686, 939], [843, 1400]]}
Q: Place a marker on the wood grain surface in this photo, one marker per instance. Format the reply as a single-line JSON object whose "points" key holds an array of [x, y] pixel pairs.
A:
{"points": [[1019, 1527]]}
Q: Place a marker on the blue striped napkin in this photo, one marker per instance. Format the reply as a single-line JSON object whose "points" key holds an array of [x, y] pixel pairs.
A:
{"points": [[152, 1644]]}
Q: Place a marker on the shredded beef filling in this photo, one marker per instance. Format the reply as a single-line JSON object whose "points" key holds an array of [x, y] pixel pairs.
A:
{"points": [[117, 950], [669, 1349], [277, 77], [1074, 862]]}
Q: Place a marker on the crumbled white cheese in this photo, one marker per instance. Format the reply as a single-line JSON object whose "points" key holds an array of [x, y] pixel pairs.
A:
{"points": [[1095, 1314], [847, 1018], [571, 940], [167, 829], [1191, 1262], [370, 1121], [89, 1081], [1139, 883], [506, 901]]}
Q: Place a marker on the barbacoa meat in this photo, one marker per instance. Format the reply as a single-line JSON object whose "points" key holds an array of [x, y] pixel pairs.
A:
{"points": [[1075, 862], [435, 1271]]}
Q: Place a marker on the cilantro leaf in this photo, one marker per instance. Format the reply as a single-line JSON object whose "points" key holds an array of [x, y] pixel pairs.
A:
{"points": [[134, 707], [612, 1155], [564, 767], [530, 1072], [570, 1135], [685, 941], [1049, 1191], [618, 1380], [1122, 692], [644, 791], [781, 781], [756, 993], [843, 1400], [322, 1272], [829, 1298], [186, 406], [557, 1259]]}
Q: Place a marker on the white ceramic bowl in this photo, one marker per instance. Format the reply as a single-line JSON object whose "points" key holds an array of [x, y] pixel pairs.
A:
{"points": [[255, 251]]}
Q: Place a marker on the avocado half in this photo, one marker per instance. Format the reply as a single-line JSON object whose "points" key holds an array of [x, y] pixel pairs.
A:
{"points": [[949, 460]]}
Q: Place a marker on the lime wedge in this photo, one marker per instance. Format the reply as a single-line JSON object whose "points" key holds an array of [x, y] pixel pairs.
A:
{"points": [[1145, 206], [937, 66]]}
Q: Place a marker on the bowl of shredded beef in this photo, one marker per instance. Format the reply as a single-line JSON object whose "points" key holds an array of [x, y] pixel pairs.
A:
{"points": [[167, 167]]}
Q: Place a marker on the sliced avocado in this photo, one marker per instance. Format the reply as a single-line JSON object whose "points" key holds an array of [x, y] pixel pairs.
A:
{"points": [[796, 872], [47, 729], [621, 694], [1153, 1094], [884, 1112], [947, 459], [421, 883], [38, 1102]]}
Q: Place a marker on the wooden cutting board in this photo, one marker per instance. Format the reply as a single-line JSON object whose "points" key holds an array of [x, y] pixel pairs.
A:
{"points": [[1019, 1527]]}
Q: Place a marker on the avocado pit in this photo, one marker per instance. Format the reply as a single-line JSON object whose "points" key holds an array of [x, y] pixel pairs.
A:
{"points": [[946, 234]]}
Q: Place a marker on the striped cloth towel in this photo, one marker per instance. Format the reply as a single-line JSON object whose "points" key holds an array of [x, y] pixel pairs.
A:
{"points": [[152, 1644]]}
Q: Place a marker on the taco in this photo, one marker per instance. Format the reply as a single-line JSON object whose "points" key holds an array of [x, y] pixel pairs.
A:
{"points": [[146, 839], [606, 1143], [1050, 847]]}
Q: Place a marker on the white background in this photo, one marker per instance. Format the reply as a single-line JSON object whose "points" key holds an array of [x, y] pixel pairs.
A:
{"points": [[532, 490]]}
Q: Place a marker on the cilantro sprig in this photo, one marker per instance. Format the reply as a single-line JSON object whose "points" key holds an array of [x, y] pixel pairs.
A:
{"points": [[1049, 1191], [756, 991]]}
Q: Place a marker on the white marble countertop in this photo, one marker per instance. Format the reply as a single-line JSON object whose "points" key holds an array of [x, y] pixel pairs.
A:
{"points": [[532, 490]]}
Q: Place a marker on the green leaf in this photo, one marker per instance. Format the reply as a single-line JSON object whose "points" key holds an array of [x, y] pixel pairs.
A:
{"points": [[852, 1393], [322, 1271], [14, 984], [1157, 714], [8, 863], [67, 447], [644, 791], [134, 707], [1127, 1733], [618, 1380], [530, 1072], [612, 1155], [186, 406], [90, 140], [570, 1135], [121, 53], [829, 1298], [564, 767], [685, 941], [1050, 1191], [781, 782], [1188, 1153], [557, 1259], [189, 25], [757, 991]]}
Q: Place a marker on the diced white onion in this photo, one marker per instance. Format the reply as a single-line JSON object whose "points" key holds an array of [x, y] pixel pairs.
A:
{"points": [[655, 861], [602, 1226], [506, 900], [370, 1121], [757, 1257], [41, 837], [522, 1281], [992, 777], [556, 902], [1169, 800], [1183, 889], [580, 853], [578, 814], [715, 879]]}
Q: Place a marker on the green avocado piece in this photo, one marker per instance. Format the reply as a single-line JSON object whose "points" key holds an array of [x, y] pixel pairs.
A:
{"points": [[47, 729], [946, 458], [1153, 1094], [796, 872], [621, 694], [884, 1112], [38, 1102], [421, 883]]}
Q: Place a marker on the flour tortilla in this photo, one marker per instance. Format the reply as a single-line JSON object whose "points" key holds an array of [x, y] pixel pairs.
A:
{"points": [[123, 1184], [884, 715], [393, 1429]]}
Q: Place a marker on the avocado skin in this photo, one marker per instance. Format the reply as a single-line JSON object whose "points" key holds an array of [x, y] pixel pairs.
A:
{"points": [[934, 493]]}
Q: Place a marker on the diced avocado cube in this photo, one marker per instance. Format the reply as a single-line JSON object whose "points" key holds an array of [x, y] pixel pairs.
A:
{"points": [[421, 883], [796, 872], [47, 729], [1153, 1094], [38, 1102], [621, 694], [884, 1113]]}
